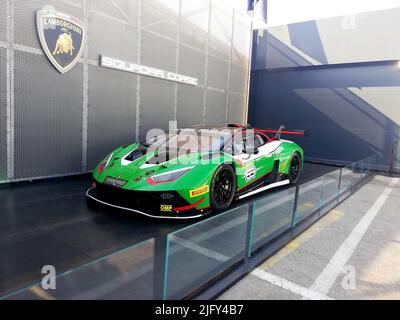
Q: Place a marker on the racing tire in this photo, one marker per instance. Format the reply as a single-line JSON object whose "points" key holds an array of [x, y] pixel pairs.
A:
{"points": [[295, 169], [223, 187]]}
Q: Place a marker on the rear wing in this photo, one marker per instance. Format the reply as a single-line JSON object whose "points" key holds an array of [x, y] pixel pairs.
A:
{"points": [[282, 130]]}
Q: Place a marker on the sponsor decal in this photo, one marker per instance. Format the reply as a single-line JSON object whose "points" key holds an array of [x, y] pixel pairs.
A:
{"points": [[250, 174], [165, 208], [61, 36], [127, 66], [199, 191], [167, 196]]}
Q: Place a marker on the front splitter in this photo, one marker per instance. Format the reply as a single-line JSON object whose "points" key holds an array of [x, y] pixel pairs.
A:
{"points": [[91, 194]]}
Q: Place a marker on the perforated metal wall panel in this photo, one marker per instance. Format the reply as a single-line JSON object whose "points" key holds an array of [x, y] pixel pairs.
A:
{"points": [[3, 19], [158, 52], [215, 114], [194, 23], [113, 29], [112, 112], [239, 78], [48, 118], [217, 73], [220, 30], [112, 94], [157, 104], [3, 114], [192, 62], [237, 103], [190, 106], [161, 17]]}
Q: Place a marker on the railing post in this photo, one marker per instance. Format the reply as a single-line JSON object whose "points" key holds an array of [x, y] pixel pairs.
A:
{"points": [[339, 185], [294, 213], [250, 228], [321, 198], [165, 271], [352, 176], [160, 244], [361, 169]]}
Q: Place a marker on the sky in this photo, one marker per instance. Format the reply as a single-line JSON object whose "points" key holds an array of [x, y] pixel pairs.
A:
{"points": [[290, 11]]}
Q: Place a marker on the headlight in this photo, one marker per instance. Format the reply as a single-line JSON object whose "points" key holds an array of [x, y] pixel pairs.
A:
{"points": [[104, 163], [168, 176]]}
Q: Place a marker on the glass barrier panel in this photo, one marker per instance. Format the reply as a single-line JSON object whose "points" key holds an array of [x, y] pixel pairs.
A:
{"points": [[126, 274], [272, 215], [346, 179], [309, 199], [346, 182], [357, 172], [201, 251], [331, 186], [370, 161], [330, 190], [365, 167]]}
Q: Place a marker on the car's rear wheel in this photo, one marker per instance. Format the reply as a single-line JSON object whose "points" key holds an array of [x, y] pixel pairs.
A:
{"points": [[295, 168], [223, 187]]}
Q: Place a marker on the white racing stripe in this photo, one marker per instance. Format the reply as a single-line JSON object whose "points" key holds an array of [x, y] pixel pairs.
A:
{"points": [[288, 285], [328, 276], [270, 186]]}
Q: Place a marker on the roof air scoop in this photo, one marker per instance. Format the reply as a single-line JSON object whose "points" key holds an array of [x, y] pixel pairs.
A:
{"points": [[278, 134]]}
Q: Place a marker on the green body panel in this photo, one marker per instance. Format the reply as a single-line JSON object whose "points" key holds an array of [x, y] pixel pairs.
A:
{"points": [[265, 164], [199, 176]]}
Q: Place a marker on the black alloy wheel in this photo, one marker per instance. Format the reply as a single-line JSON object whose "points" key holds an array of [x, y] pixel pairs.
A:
{"points": [[223, 187]]}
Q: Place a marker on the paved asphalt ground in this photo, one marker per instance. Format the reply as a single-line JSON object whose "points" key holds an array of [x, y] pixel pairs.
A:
{"points": [[351, 253]]}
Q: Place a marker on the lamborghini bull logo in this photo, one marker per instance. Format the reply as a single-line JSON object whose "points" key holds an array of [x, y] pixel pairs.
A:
{"points": [[64, 44], [62, 37]]}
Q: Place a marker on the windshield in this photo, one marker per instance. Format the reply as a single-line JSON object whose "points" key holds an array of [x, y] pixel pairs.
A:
{"points": [[190, 140]]}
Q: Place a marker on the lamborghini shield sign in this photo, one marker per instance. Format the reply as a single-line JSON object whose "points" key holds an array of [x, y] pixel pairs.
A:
{"points": [[62, 37]]}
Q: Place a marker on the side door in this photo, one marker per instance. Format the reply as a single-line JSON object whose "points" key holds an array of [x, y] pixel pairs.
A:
{"points": [[255, 160]]}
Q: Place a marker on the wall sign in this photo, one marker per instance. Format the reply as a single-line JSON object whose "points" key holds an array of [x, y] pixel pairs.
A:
{"points": [[62, 37], [127, 66]]}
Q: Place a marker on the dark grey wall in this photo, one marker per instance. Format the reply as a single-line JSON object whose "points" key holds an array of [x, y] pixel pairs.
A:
{"points": [[3, 114], [64, 124], [347, 99], [342, 126]]}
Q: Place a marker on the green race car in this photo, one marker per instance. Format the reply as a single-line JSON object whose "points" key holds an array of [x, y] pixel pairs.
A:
{"points": [[195, 171]]}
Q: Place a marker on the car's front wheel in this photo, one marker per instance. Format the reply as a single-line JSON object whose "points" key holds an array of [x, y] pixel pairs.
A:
{"points": [[223, 187]]}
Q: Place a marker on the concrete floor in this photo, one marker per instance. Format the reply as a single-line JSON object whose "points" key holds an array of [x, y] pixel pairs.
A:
{"points": [[351, 253]]}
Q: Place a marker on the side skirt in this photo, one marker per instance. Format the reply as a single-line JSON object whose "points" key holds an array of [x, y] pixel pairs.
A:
{"points": [[270, 186]]}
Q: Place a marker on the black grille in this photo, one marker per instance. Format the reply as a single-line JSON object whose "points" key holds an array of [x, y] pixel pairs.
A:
{"points": [[117, 183]]}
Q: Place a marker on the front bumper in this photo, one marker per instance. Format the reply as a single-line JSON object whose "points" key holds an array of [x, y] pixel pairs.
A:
{"points": [[163, 205]]}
